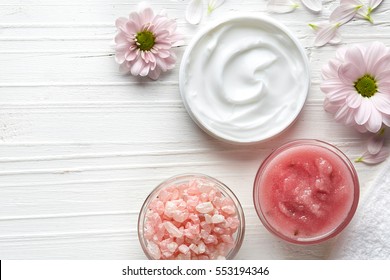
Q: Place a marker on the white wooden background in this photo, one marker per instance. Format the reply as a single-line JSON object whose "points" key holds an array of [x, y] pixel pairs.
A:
{"points": [[81, 145]]}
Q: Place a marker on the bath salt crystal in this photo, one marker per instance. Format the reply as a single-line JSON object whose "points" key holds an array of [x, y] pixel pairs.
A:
{"points": [[194, 218], [194, 248], [173, 230], [216, 219], [227, 238], [204, 197], [201, 247], [230, 210], [180, 216], [172, 247], [205, 207], [154, 250], [208, 219], [184, 249]]}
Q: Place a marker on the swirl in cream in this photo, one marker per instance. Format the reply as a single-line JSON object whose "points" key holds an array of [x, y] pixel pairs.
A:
{"points": [[244, 80]]}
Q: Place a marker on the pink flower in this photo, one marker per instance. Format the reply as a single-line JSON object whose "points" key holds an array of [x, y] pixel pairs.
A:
{"points": [[144, 41], [357, 86]]}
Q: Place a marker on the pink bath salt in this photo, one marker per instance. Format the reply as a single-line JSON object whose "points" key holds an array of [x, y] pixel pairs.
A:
{"points": [[173, 230], [201, 247], [149, 231], [190, 221], [154, 250], [184, 249], [211, 239], [172, 247], [180, 216], [204, 234], [192, 201], [207, 227], [194, 248], [205, 207], [208, 219], [216, 219], [229, 209], [204, 197], [227, 239], [203, 258], [194, 218], [218, 230]]}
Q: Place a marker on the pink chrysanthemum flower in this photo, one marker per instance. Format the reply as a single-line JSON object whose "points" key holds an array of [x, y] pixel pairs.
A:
{"points": [[144, 42], [357, 86]]}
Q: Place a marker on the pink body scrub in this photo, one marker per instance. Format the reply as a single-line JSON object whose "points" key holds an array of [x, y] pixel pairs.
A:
{"points": [[306, 192], [191, 217]]}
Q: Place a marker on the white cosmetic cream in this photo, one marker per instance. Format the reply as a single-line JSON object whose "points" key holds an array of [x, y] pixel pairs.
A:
{"points": [[244, 80]]}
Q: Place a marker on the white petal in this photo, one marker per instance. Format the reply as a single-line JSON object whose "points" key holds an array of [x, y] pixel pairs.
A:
{"points": [[213, 4], [375, 159], [326, 34], [281, 6], [314, 5], [194, 11], [375, 142], [373, 4], [344, 13]]}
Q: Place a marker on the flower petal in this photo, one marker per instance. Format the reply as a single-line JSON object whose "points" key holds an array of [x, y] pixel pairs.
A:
{"points": [[355, 56], [349, 73], [331, 85], [374, 159], [194, 11], [381, 102], [154, 74], [281, 6], [373, 4], [363, 113], [386, 120], [375, 142], [374, 123], [121, 22], [137, 66], [343, 13], [314, 5], [373, 54], [213, 4], [339, 94], [382, 65], [325, 35], [354, 100]]}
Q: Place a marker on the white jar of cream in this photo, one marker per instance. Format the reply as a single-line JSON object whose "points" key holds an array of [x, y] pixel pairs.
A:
{"points": [[245, 79]]}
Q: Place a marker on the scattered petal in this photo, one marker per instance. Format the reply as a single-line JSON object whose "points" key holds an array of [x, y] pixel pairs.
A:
{"points": [[314, 5], [344, 13], [375, 142], [194, 11], [374, 159], [373, 4], [281, 6], [326, 34], [213, 4]]}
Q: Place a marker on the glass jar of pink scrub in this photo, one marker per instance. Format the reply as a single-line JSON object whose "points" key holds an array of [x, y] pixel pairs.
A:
{"points": [[306, 192], [191, 217]]}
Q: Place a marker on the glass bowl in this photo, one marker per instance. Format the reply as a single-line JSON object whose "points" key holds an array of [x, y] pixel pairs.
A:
{"points": [[190, 217], [306, 192]]}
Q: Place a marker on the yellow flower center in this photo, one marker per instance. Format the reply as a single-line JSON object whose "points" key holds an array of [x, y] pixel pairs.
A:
{"points": [[145, 40], [366, 86]]}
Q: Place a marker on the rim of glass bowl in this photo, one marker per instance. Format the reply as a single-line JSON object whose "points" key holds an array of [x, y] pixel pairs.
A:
{"points": [[341, 156], [226, 191], [199, 35]]}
